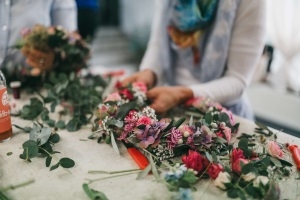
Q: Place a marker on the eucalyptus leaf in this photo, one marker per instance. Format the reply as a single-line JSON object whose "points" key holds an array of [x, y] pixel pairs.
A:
{"points": [[31, 149], [208, 156], [39, 134], [247, 168], [208, 118], [153, 168], [54, 138], [48, 161], [73, 125], [115, 122], [25, 129], [243, 143], [276, 162], [114, 144], [93, 194], [124, 109], [178, 122], [66, 162], [144, 173]]}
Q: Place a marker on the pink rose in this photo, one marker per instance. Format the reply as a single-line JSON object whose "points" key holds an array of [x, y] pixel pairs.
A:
{"points": [[214, 170], [126, 93], [194, 160], [113, 97], [144, 120], [274, 150], [140, 86]]}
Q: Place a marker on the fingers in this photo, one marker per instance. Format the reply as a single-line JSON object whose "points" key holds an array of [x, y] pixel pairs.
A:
{"points": [[39, 59]]}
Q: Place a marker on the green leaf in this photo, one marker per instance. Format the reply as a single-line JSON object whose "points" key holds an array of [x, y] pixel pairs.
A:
{"points": [[170, 125], [189, 177], [144, 173], [214, 157], [3, 197], [114, 144], [243, 143], [48, 161], [233, 193], [115, 122], [178, 122], [208, 118], [60, 124], [31, 149], [54, 166], [93, 194], [223, 117], [25, 129], [285, 163], [153, 168], [39, 134], [66, 162], [73, 125], [124, 109], [54, 138], [208, 156], [247, 168], [276, 162]]}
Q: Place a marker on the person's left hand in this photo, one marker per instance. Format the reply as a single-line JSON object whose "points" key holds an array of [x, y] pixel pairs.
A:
{"points": [[165, 98], [38, 59]]}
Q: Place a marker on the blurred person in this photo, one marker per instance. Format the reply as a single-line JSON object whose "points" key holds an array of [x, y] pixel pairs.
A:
{"points": [[16, 15], [203, 48], [87, 17]]}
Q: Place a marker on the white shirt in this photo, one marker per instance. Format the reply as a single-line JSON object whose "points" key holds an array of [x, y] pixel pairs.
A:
{"points": [[246, 46]]}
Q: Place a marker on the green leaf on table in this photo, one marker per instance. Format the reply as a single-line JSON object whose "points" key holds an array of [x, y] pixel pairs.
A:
{"points": [[31, 150], [285, 163], [50, 122], [54, 138], [54, 166], [93, 194], [66, 162], [33, 110], [233, 193], [153, 168], [114, 144], [144, 173], [9, 153], [60, 124], [73, 125], [178, 122], [48, 161], [247, 168], [115, 122]]}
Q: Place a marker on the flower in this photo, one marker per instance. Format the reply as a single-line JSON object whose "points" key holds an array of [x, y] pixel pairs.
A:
{"points": [[194, 160], [214, 170], [260, 179], [237, 157], [249, 177], [274, 150], [140, 86], [174, 138], [222, 179], [113, 97]]}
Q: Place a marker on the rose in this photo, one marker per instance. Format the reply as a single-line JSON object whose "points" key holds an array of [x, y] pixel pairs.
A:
{"points": [[274, 150], [222, 179], [113, 97], [140, 86], [236, 165], [126, 93], [194, 161], [249, 177], [260, 179], [214, 170]]}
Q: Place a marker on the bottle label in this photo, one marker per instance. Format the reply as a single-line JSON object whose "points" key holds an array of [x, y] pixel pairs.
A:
{"points": [[5, 121]]}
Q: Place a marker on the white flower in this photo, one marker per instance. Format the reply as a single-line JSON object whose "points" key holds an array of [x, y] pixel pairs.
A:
{"points": [[222, 178], [186, 134], [249, 177], [260, 179]]}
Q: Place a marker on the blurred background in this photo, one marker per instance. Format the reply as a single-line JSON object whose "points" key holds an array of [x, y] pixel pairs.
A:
{"points": [[123, 29]]}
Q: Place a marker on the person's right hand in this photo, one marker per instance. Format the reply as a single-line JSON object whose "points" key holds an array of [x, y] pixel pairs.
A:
{"points": [[146, 76]]}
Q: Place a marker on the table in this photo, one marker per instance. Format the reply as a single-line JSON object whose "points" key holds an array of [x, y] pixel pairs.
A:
{"points": [[89, 155]]}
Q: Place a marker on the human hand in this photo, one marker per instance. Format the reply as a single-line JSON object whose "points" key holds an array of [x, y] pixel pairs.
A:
{"points": [[42, 60], [167, 97], [146, 76]]}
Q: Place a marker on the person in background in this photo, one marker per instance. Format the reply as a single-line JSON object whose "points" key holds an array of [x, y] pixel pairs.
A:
{"points": [[88, 15], [18, 15], [203, 48]]}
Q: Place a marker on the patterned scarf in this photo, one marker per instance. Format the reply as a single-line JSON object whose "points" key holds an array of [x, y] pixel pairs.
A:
{"points": [[189, 20]]}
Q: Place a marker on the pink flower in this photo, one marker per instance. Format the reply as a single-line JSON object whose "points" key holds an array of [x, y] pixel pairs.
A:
{"points": [[225, 132], [140, 86], [186, 130], [144, 120], [274, 150], [194, 160], [174, 138], [131, 117], [236, 165], [214, 170], [113, 97]]}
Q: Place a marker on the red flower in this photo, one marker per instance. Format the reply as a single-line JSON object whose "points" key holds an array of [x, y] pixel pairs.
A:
{"points": [[214, 170], [144, 120], [126, 93], [236, 165], [194, 160], [236, 154]]}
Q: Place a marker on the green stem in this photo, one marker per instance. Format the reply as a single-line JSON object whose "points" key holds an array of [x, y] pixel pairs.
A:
{"points": [[12, 187], [112, 172], [113, 176]]}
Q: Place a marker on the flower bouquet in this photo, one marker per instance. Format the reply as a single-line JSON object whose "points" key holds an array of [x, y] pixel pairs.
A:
{"points": [[182, 152]]}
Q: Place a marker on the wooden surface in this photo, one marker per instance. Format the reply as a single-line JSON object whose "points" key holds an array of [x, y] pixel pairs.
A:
{"points": [[89, 155]]}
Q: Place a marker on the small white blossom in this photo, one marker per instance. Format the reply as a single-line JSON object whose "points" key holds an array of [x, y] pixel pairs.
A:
{"points": [[186, 134], [222, 178], [180, 141], [249, 177], [260, 179]]}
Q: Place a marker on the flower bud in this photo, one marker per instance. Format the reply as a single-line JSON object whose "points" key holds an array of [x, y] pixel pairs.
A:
{"points": [[222, 178], [260, 179]]}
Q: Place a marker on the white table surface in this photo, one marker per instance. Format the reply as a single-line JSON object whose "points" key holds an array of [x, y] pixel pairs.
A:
{"points": [[89, 155]]}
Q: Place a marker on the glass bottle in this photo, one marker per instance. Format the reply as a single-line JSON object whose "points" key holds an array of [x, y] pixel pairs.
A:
{"points": [[5, 120]]}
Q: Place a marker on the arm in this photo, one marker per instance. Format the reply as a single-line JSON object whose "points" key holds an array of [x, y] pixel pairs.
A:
{"points": [[152, 58], [244, 52], [64, 13]]}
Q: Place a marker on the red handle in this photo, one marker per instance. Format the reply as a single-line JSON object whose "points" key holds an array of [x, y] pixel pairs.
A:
{"points": [[295, 150], [138, 157]]}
